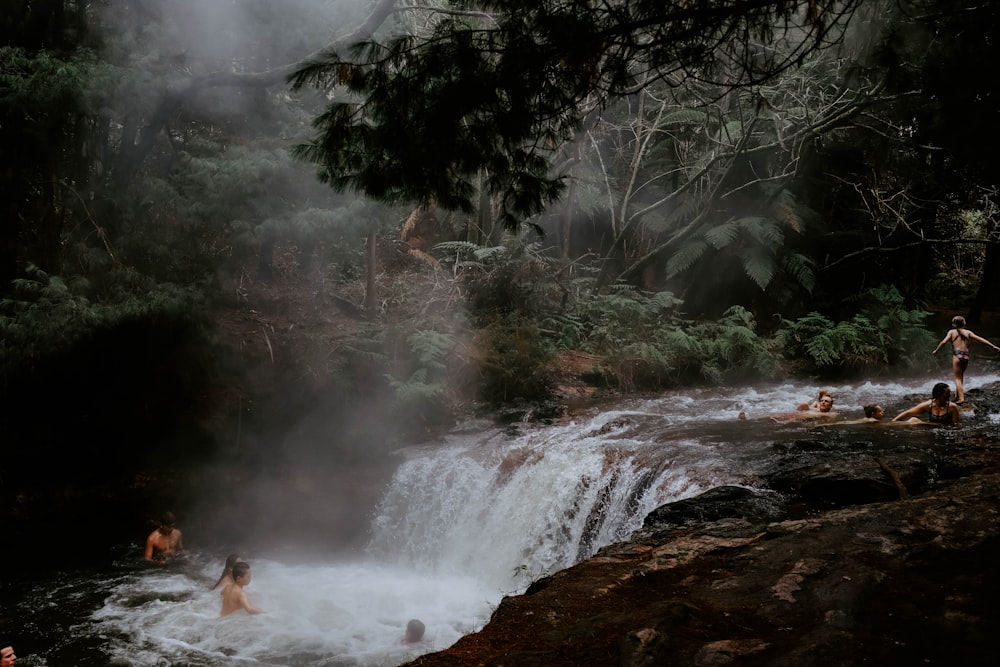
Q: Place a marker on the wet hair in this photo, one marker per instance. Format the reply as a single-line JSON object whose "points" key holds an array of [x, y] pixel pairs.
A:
{"points": [[167, 519], [239, 569], [414, 630], [939, 389], [871, 409], [958, 321], [231, 560]]}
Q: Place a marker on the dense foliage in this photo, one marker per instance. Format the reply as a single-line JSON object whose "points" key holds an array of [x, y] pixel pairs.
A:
{"points": [[676, 192]]}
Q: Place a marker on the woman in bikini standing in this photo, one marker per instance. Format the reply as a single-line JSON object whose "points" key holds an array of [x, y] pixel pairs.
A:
{"points": [[959, 337]]}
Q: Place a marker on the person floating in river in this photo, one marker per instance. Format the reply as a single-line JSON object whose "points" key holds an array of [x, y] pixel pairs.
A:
{"points": [[165, 542], [940, 408], [873, 412], [825, 410], [234, 597], [959, 338], [815, 405], [227, 572]]}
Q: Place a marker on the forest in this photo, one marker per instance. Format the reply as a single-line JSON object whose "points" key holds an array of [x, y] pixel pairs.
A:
{"points": [[224, 216]]}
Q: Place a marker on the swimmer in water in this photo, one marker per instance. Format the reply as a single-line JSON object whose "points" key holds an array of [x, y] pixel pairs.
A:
{"points": [[815, 405], [941, 410], [825, 411], [234, 597], [165, 542], [227, 572], [414, 632]]}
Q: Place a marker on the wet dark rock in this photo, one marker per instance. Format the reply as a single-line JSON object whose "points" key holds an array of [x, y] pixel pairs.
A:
{"points": [[722, 506], [869, 548]]}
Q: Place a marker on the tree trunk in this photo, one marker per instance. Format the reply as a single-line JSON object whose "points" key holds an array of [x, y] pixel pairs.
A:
{"points": [[989, 283], [265, 262], [370, 295], [567, 220]]}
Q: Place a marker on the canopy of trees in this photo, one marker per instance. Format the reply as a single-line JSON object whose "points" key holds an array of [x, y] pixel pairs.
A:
{"points": [[598, 176]]}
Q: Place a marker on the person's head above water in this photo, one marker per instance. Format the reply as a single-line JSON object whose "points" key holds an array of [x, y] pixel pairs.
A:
{"points": [[227, 571], [874, 411], [958, 322], [240, 570], [826, 403], [940, 390], [414, 630]]}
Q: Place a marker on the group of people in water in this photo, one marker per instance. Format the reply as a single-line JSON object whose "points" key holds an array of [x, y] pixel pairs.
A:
{"points": [[939, 409], [166, 543]]}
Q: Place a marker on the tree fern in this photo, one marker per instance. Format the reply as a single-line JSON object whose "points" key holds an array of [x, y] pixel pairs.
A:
{"points": [[722, 235], [758, 263], [763, 230], [431, 348], [799, 268], [685, 257]]}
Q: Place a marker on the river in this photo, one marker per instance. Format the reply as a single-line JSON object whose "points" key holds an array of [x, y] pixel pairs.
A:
{"points": [[464, 521]]}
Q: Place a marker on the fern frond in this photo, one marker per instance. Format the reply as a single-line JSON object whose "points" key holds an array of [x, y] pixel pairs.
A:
{"points": [[758, 265], [722, 235], [685, 257], [431, 347], [799, 268], [684, 211], [763, 230], [785, 207], [684, 117], [731, 132]]}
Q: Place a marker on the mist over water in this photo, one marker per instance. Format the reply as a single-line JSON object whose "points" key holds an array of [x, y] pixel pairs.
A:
{"points": [[463, 522], [315, 614]]}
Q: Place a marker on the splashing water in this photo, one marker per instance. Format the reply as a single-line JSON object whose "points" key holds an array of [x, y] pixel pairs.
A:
{"points": [[465, 521]]}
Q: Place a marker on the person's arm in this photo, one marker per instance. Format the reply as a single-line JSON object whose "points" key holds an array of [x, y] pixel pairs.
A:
{"points": [[956, 414], [149, 547], [943, 341], [180, 542], [981, 340], [912, 412], [245, 603]]}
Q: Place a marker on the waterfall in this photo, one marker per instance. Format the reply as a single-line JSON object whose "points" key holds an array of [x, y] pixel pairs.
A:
{"points": [[466, 519], [508, 509]]}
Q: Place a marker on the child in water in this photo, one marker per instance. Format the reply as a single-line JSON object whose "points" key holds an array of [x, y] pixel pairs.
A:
{"points": [[959, 337]]}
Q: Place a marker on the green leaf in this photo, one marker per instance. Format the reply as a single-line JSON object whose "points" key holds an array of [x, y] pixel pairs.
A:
{"points": [[759, 265], [684, 258], [722, 235]]}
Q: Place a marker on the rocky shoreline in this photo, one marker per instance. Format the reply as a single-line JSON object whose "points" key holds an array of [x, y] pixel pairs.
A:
{"points": [[866, 548]]}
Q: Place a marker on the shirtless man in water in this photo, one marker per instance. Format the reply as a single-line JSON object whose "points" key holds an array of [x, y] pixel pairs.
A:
{"points": [[164, 542], [824, 411], [234, 597]]}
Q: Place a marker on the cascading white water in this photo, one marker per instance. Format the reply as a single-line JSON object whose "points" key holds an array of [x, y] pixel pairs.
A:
{"points": [[463, 522], [499, 508]]}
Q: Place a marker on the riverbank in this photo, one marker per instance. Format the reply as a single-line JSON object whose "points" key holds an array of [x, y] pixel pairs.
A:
{"points": [[848, 552]]}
